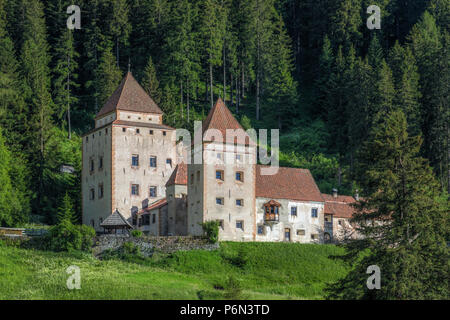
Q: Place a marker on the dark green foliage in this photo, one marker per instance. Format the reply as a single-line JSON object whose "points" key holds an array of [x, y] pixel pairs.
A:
{"points": [[233, 289], [66, 236], [211, 230], [136, 233], [408, 239]]}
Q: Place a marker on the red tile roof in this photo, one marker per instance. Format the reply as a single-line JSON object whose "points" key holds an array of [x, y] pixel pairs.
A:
{"points": [[179, 175], [340, 206], [129, 96], [221, 118], [157, 204], [288, 183]]}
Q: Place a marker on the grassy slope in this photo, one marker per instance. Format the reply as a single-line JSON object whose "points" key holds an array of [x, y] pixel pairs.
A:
{"points": [[273, 271]]}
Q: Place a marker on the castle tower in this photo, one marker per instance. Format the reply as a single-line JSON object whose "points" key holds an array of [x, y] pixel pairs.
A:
{"points": [[176, 192], [222, 187], [128, 157]]}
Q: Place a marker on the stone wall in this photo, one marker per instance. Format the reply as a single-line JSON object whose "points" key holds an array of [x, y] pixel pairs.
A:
{"points": [[148, 245]]}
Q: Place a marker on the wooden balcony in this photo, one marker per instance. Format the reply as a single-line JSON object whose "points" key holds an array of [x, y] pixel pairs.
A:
{"points": [[271, 217]]}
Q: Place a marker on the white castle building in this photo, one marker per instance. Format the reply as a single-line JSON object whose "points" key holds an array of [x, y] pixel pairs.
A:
{"points": [[135, 172]]}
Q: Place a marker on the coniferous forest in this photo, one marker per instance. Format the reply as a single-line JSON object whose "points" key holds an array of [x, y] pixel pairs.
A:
{"points": [[362, 109], [310, 68]]}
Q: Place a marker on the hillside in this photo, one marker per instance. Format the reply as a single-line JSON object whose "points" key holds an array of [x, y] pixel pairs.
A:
{"points": [[272, 271]]}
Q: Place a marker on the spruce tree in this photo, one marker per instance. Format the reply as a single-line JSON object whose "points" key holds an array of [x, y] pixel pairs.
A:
{"points": [[150, 82], [108, 75], [402, 222], [66, 211], [322, 86]]}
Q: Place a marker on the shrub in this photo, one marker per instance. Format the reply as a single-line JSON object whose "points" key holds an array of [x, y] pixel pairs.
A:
{"points": [[233, 289], [136, 233], [67, 237], [211, 230]]}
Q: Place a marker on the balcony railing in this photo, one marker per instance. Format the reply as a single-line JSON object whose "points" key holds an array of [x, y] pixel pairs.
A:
{"points": [[271, 217]]}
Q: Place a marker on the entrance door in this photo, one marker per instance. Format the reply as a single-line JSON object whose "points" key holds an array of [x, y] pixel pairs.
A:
{"points": [[287, 234]]}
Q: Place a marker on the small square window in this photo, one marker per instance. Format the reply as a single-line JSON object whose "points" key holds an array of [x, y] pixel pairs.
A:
{"points": [[240, 202], [92, 166], [219, 174], [92, 194], [192, 178], [219, 201], [169, 161], [135, 189], [87, 139], [151, 131], [106, 131], [314, 212], [153, 192], [240, 224], [239, 176], [153, 162], [154, 218], [135, 160], [300, 232], [260, 229], [138, 131], [100, 133], [238, 157], [100, 162], [314, 236], [164, 133], [340, 222], [219, 156], [124, 129], [294, 211], [100, 191]]}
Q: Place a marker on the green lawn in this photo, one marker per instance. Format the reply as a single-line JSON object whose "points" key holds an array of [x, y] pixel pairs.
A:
{"points": [[271, 271]]}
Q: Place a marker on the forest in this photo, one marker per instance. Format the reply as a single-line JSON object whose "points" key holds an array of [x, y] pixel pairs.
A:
{"points": [[310, 68]]}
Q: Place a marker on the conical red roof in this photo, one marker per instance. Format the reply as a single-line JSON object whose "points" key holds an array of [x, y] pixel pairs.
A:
{"points": [[179, 175], [130, 96]]}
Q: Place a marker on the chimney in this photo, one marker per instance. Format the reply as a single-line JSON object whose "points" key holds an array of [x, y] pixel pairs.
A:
{"points": [[357, 195], [335, 193]]}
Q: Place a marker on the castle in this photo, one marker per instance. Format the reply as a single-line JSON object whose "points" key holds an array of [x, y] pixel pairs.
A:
{"points": [[135, 174]]}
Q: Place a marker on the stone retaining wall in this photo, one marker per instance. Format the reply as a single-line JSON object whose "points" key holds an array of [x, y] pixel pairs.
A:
{"points": [[148, 245]]}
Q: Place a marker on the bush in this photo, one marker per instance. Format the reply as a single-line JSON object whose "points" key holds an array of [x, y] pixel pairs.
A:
{"points": [[67, 237], [136, 233], [211, 230], [233, 289]]}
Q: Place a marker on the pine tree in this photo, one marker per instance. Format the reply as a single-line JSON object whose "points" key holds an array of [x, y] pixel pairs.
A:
{"points": [[35, 68], [401, 219], [118, 24], [326, 61], [346, 23], [108, 75], [384, 94], [406, 83], [65, 78], [150, 82], [426, 43], [66, 211]]}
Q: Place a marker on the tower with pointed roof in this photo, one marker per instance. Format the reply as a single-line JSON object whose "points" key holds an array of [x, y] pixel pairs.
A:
{"points": [[128, 157], [222, 187]]}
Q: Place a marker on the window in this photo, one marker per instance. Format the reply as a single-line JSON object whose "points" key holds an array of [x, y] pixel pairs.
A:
{"points": [[92, 165], [340, 222], [93, 223], [192, 178], [100, 190], [138, 131], [238, 157], [153, 218], [153, 162], [260, 229], [314, 236], [240, 202], [153, 191], [124, 129], [106, 131], [240, 176], [146, 218], [100, 162], [271, 211], [314, 212], [151, 132], [219, 174], [99, 133], [219, 201], [219, 156], [198, 176], [134, 189], [300, 232], [92, 194], [294, 211], [164, 133], [169, 161], [135, 160], [87, 139], [240, 224]]}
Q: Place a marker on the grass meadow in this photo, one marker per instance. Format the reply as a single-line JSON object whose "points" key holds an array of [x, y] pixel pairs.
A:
{"points": [[263, 271]]}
